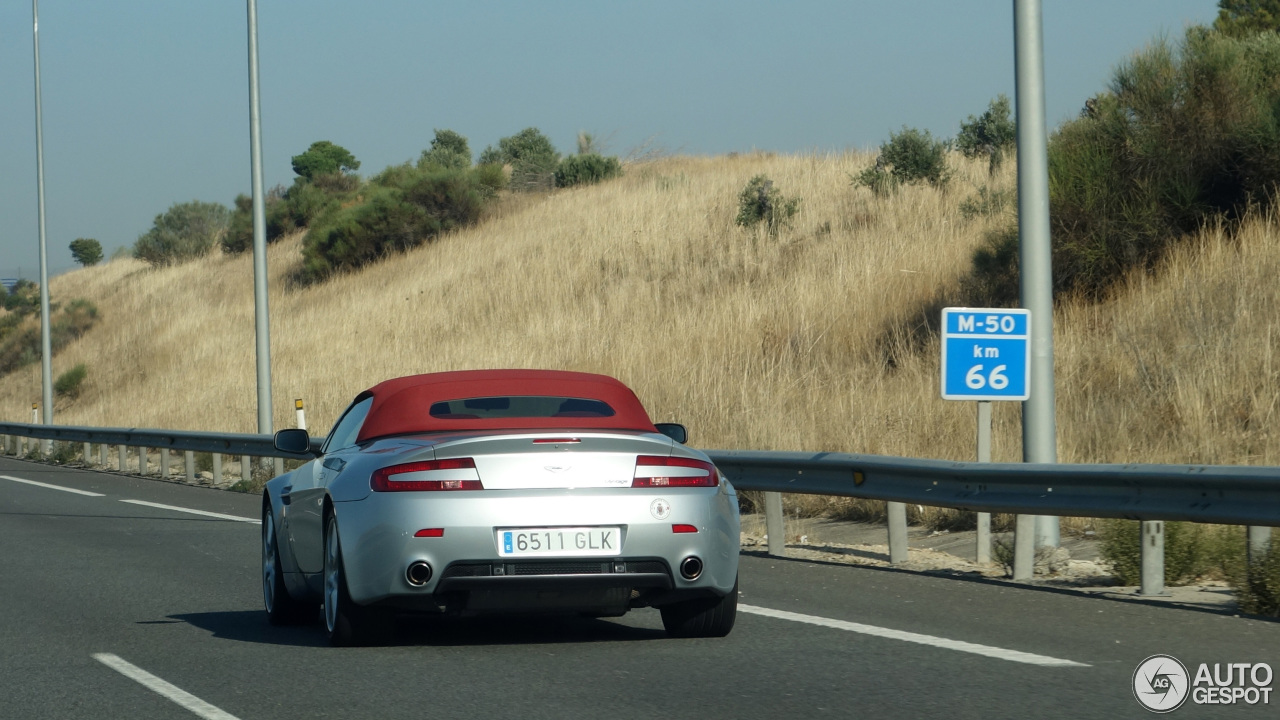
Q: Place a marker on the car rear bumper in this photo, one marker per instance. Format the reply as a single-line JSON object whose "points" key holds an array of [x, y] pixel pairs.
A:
{"points": [[378, 545]]}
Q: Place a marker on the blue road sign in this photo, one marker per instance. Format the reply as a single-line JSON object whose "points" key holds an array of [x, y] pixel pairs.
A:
{"points": [[986, 354]]}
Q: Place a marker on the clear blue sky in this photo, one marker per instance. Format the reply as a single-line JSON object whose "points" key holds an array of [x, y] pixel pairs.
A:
{"points": [[146, 101]]}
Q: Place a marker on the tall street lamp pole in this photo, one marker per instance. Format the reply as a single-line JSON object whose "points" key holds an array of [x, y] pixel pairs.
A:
{"points": [[262, 329], [46, 365]]}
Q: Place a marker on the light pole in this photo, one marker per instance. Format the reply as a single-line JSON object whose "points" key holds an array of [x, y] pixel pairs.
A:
{"points": [[1039, 431], [262, 327], [46, 364]]}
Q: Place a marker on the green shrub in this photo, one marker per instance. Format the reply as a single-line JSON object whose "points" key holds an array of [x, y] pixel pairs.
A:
{"points": [[20, 339], [993, 134], [239, 235], [288, 211], [993, 279], [24, 299], [586, 170], [532, 157], [448, 150], [1187, 552], [68, 383], [185, 232], [760, 202], [876, 178], [1184, 135], [490, 178], [406, 208], [86, 251], [911, 156]]}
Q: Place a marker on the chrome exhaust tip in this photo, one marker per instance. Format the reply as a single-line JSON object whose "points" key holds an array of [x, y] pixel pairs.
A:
{"points": [[418, 573], [691, 567]]}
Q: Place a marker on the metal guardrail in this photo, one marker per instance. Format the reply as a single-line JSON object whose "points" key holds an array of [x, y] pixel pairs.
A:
{"points": [[250, 444], [1230, 495], [1233, 495], [246, 445]]}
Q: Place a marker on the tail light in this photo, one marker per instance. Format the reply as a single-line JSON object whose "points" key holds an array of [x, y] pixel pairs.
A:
{"points": [[658, 471], [447, 474]]}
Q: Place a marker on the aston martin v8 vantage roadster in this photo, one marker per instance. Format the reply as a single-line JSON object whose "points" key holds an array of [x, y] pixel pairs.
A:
{"points": [[499, 491]]}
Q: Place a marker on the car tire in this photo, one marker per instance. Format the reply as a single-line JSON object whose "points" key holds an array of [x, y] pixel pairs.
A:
{"points": [[282, 608], [702, 617], [346, 623]]}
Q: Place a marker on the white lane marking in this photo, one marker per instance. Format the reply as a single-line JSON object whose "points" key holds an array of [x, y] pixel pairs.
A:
{"points": [[206, 513], [987, 650], [51, 487], [168, 690]]}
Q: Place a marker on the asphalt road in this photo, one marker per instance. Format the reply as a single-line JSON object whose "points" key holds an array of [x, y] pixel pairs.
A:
{"points": [[176, 596]]}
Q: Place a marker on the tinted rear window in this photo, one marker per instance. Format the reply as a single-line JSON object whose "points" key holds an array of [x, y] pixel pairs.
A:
{"points": [[520, 406]]}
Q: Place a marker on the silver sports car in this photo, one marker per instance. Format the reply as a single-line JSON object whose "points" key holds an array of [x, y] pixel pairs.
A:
{"points": [[499, 491]]}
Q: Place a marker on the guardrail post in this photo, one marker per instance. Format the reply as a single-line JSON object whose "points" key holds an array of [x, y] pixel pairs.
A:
{"points": [[88, 453], [1152, 558], [278, 466], [142, 460], [164, 463], [1024, 548], [190, 461], [124, 465], [773, 524], [246, 469], [103, 453], [1259, 543], [217, 469], [897, 532]]}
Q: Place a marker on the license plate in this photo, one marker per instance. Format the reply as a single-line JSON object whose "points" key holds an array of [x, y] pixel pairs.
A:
{"points": [[559, 541]]}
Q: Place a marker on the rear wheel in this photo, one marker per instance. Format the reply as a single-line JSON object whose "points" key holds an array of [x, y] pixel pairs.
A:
{"points": [[702, 617], [346, 623], [282, 608]]}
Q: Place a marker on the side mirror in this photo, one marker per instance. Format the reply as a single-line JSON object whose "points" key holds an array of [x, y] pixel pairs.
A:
{"points": [[675, 431], [294, 440]]}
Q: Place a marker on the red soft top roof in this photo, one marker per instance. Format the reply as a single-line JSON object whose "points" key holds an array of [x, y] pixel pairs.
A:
{"points": [[401, 406]]}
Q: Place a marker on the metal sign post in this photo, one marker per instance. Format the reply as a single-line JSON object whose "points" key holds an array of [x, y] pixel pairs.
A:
{"points": [[984, 455], [986, 356]]}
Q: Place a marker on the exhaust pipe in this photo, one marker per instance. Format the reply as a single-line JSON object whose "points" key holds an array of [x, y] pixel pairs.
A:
{"points": [[691, 567], [418, 574]]}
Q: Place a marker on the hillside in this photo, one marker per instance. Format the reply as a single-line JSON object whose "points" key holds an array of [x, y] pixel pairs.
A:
{"points": [[752, 341]]}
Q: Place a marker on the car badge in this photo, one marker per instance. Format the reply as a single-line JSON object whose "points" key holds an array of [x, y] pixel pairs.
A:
{"points": [[557, 468]]}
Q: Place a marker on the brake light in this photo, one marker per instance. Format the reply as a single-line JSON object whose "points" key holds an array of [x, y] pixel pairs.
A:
{"points": [[447, 474], [658, 471]]}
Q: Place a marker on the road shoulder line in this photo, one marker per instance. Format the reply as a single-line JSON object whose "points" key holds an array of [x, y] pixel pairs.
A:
{"points": [[918, 638], [52, 487], [192, 511], [161, 687]]}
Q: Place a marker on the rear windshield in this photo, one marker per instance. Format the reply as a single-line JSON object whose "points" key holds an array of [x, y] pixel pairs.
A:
{"points": [[520, 406]]}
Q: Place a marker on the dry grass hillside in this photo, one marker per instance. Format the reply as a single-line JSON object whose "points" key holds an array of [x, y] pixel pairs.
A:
{"points": [[752, 341]]}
